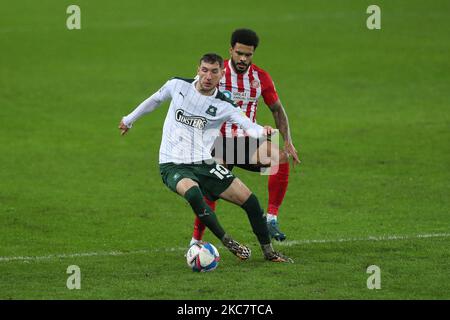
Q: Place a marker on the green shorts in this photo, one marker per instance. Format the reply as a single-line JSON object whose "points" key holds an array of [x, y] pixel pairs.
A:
{"points": [[213, 178]]}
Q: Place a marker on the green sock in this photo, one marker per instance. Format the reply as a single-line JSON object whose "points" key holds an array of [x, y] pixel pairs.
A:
{"points": [[256, 216], [195, 198]]}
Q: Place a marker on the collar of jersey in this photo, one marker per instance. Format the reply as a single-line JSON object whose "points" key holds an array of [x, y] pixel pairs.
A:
{"points": [[212, 96]]}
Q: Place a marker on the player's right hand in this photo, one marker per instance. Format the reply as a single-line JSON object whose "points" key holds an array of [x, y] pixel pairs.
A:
{"points": [[291, 151], [123, 128]]}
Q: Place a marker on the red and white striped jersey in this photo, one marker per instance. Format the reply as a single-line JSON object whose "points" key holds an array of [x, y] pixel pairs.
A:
{"points": [[245, 89]]}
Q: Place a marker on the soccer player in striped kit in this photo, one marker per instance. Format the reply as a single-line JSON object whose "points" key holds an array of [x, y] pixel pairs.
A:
{"points": [[244, 82], [196, 112]]}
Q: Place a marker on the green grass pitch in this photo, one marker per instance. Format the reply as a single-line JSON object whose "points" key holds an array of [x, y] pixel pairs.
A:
{"points": [[369, 113]]}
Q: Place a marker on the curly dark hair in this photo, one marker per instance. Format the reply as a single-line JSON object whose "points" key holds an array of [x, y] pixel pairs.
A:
{"points": [[244, 36]]}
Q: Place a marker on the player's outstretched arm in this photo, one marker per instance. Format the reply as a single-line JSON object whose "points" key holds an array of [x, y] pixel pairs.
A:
{"points": [[282, 123], [254, 130], [147, 106]]}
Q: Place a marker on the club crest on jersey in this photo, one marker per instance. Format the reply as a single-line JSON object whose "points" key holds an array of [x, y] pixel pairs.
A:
{"points": [[192, 121], [211, 111], [255, 84]]}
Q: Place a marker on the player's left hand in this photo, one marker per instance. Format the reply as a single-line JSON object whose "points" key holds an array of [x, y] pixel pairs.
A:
{"points": [[268, 130], [290, 149]]}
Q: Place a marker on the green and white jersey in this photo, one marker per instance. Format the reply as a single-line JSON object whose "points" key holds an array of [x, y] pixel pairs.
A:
{"points": [[193, 120]]}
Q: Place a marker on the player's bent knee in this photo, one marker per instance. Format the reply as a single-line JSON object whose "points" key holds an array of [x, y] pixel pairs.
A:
{"points": [[243, 192], [236, 193], [243, 198], [184, 185]]}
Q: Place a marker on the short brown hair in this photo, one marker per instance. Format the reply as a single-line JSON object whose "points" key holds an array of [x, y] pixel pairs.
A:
{"points": [[212, 58]]}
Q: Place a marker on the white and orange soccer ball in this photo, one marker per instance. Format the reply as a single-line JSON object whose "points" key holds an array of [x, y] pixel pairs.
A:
{"points": [[202, 256]]}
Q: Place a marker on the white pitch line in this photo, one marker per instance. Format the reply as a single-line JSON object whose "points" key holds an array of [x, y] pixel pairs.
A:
{"points": [[85, 254], [287, 243]]}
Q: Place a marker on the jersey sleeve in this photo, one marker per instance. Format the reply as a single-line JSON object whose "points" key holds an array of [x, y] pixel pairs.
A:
{"points": [[268, 90], [254, 130], [149, 104]]}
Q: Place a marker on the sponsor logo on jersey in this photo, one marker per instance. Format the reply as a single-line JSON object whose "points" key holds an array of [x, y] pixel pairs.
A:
{"points": [[227, 94], [192, 121], [243, 96]]}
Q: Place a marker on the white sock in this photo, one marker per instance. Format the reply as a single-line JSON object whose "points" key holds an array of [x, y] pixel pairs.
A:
{"points": [[193, 240], [271, 217]]}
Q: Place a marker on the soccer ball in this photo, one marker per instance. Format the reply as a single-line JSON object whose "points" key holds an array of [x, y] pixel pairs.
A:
{"points": [[202, 256]]}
